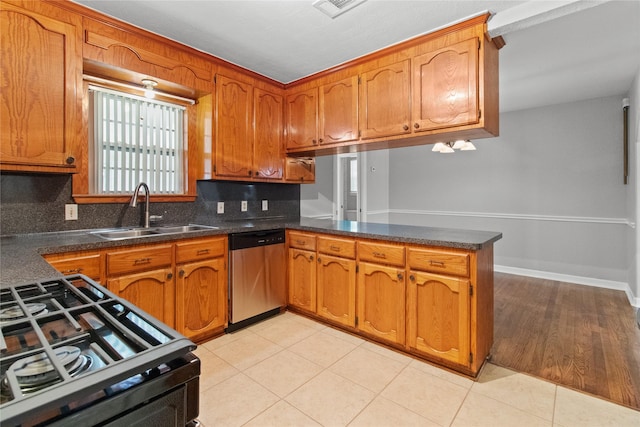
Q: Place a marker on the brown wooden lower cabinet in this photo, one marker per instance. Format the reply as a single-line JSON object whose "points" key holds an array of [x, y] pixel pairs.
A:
{"points": [[435, 303], [181, 283], [381, 302], [438, 316], [153, 291], [336, 289]]}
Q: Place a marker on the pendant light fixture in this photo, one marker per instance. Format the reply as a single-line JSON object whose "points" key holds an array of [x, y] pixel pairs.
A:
{"points": [[450, 147]]}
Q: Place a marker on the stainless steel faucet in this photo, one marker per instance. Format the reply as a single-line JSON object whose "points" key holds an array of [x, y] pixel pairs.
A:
{"points": [[134, 202]]}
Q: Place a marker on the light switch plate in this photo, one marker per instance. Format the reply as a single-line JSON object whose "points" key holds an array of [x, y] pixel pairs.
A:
{"points": [[243, 206], [220, 207], [70, 212], [265, 205]]}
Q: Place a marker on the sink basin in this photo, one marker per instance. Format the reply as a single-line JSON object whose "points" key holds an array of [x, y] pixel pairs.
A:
{"points": [[136, 233]]}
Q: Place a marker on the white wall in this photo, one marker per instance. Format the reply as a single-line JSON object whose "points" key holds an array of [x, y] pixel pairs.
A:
{"points": [[316, 200], [633, 200], [551, 183]]}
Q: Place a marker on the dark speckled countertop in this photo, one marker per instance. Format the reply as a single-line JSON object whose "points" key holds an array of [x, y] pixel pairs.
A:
{"points": [[21, 255]]}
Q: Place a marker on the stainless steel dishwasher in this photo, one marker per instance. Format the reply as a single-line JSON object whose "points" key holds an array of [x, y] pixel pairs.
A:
{"points": [[257, 276]]}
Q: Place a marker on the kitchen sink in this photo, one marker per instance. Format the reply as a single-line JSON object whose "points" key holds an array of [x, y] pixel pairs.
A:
{"points": [[136, 233]]}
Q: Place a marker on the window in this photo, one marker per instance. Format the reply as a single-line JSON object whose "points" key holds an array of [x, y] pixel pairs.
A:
{"points": [[135, 139]]}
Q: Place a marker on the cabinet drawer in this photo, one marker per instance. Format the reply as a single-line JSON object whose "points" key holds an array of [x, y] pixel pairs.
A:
{"points": [[455, 263], [89, 265], [302, 241], [200, 249], [148, 258], [338, 247], [381, 253]]}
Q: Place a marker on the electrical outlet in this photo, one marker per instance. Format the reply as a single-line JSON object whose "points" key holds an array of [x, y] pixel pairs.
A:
{"points": [[243, 206], [265, 205], [220, 207], [70, 212]]}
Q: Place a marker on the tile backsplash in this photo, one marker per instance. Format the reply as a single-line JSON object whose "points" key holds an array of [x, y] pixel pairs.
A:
{"points": [[35, 204]]}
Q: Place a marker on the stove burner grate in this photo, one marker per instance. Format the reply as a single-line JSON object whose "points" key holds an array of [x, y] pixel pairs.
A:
{"points": [[37, 372], [15, 312]]}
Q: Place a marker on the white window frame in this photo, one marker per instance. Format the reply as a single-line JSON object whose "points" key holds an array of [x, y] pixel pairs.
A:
{"points": [[142, 147]]}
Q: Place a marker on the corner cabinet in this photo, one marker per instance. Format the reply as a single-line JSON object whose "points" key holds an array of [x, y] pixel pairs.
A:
{"points": [[41, 74]]}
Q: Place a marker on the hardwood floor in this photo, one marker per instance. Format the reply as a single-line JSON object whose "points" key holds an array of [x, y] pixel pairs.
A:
{"points": [[582, 337]]}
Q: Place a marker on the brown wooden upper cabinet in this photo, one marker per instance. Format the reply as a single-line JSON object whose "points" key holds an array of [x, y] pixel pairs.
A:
{"points": [[385, 102], [302, 119], [338, 111], [41, 72], [268, 155], [248, 131], [445, 87]]}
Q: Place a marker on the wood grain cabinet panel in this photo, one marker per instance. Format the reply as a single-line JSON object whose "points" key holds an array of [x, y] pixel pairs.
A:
{"points": [[385, 101], [268, 150], [87, 263], [336, 289], [153, 291], [233, 135], [302, 279], [40, 108], [445, 87], [301, 240], [439, 261], [381, 253], [201, 295], [345, 248], [139, 259], [381, 302], [301, 116], [300, 169], [338, 111], [439, 316]]}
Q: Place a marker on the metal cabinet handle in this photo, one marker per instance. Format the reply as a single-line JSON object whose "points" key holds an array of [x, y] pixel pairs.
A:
{"points": [[310, 257], [400, 276], [181, 273], [334, 248], [141, 261], [380, 255], [319, 260], [412, 278], [202, 252], [416, 125], [314, 142], [321, 140], [405, 127], [169, 276], [70, 160], [301, 242], [72, 271], [436, 263]]}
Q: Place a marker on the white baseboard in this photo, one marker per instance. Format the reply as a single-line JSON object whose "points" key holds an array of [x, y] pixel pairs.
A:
{"points": [[588, 281]]}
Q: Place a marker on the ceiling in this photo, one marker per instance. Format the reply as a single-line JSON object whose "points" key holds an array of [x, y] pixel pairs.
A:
{"points": [[556, 51]]}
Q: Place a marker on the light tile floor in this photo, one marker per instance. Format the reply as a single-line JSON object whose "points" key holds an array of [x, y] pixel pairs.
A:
{"points": [[292, 371]]}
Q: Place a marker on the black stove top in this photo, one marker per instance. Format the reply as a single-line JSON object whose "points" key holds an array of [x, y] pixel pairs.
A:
{"points": [[65, 339]]}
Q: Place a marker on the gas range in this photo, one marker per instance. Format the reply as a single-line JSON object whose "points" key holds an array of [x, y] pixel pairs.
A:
{"points": [[73, 353]]}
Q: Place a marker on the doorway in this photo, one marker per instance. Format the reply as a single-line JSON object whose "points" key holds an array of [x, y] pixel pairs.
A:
{"points": [[348, 187]]}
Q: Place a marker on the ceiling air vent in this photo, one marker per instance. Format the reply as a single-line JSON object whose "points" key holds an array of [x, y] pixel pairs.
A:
{"points": [[334, 8]]}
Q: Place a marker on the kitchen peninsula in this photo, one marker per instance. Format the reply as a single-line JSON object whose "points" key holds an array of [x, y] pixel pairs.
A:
{"points": [[423, 290]]}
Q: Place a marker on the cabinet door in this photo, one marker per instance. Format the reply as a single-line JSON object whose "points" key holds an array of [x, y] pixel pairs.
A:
{"points": [[39, 103], [302, 119], [87, 263], [201, 295], [381, 302], [439, 316], [268, 133], [300, 169], [153, 291], [302, 279], [339, 111], [337, 289], [385, 103], [445, 90], [234, 145]]}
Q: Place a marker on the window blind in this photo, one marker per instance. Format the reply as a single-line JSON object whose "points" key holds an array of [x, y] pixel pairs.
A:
{"points": [[136, 140]]}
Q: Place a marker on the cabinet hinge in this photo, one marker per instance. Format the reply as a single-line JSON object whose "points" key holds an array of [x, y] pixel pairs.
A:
{"points": [[214, 168], [359, 133], [470, 290], [356, 320], [359, 79], [470, 357], [479, 114], [215, 77], [357, 268]]}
